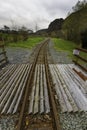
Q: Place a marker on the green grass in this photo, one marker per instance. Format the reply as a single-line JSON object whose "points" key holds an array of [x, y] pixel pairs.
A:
{"points": [[30, 43], [68, 46], [64, 45]]}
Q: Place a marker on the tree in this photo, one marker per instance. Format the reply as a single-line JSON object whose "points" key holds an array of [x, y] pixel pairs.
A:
{"points": [[76, 23], [79, 5], [23, 31], [6, 27]]}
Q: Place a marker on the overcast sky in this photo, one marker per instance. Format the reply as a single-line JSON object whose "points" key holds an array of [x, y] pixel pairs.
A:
{"points": [[33, 12]]}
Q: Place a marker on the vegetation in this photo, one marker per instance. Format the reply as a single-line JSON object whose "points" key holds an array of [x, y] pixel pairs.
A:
{"points": [[79, 5], [76, 23], [55, 27], [31, 42], [18, 37], [13, 35], [68, 46], [64, 45]]}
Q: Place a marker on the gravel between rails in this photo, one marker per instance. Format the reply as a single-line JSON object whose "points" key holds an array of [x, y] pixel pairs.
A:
{"points": [[69, 121]]}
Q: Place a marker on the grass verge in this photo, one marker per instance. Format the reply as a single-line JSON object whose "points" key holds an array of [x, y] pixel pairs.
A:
{"points": [[64, 45], [68, 46]]}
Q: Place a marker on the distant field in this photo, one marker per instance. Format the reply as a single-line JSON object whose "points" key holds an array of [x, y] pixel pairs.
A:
{"points": [[63, 45], [31, 42]]}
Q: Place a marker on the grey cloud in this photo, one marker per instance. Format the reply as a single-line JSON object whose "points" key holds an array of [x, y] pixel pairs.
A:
{"points": [[32, 12], [58, 7]]}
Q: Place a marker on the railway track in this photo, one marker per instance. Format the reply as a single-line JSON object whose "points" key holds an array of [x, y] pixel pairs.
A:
{"points": [[35, 93], [51, 113]]}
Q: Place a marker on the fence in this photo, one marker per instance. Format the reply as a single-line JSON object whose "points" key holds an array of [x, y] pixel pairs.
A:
{"points": [[3, 57], [80, 58]]}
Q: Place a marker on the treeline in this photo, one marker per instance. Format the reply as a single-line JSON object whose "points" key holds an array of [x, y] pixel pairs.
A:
{"points": [[14, 35], [75, 25]]}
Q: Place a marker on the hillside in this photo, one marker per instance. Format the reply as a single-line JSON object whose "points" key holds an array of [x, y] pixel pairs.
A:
{"points": [[75, 24], [42, 32], [55, 25], [53, 30]]}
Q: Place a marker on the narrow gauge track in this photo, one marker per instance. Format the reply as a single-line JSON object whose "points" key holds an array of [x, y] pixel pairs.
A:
{"points": [[39, 57], [52, 100]]}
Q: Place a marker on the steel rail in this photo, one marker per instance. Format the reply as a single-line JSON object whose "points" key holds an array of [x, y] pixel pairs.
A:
{"points": [[51, 94], [55, 115], [31, 74]]}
